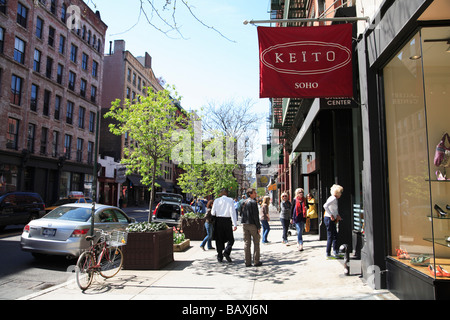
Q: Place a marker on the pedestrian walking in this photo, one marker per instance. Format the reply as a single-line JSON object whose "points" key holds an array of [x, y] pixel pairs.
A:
{"points": [[225, 223], [252, 229], [312, 211], [208, 226], [299, 215], [331, 218], [285, 215], [265, 218]]}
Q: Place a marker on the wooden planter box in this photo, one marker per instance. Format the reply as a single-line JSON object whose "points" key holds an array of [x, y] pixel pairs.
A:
{"points": [[182, 246], [148, 250], [194, 229]]}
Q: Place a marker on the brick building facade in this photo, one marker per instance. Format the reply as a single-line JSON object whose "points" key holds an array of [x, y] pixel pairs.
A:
{"points": [[51, 70], [126, 77]]}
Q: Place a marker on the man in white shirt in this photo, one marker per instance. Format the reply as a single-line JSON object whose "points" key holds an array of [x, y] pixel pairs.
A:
{"points": [[225, 223]]}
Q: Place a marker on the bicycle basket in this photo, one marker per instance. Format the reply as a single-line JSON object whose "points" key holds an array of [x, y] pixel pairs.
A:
{"points": [[117, 239]]}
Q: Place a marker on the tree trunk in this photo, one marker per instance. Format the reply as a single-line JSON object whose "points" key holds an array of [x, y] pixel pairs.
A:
{"points": [[152, 193]]}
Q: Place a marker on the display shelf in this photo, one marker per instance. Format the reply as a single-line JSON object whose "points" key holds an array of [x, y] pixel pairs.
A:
{"points": [[445, 263], [440, 241]]}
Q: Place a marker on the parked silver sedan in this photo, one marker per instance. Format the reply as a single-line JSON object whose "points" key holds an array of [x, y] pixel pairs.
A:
{"points": [[63, 230]]}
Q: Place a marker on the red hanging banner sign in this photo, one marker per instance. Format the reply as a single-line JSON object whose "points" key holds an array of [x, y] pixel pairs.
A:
{"points": [[306, 62]]}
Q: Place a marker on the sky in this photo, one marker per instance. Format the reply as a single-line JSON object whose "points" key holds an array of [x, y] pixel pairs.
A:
{"points": [[205, 66]]}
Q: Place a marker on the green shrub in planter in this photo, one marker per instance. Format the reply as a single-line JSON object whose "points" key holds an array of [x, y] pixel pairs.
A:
{"points": [[147, 227], [193, 225]]}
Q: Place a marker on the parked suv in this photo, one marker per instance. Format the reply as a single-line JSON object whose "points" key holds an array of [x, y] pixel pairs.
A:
{"points": [[20, 208], [170, 209]]}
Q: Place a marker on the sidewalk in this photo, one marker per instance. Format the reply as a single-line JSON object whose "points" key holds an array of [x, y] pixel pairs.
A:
{"points": [[196, 275]]}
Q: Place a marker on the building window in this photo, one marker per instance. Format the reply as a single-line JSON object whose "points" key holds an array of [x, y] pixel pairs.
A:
{"points": [[73, 53], [69, 114], [12, 137], [22, 13], [72, 78], [16, 90], [62, 44], [30, 137], [53, 5], [44, 140], [93, 94], [80, 150], [67, 146], [48, 70], [92, 122], [39, 27], [34, 97], [37, 61], [19, 50], [63, 13], [83, 85], [129, 74], [94, 69], [59, 75], [2, 38], [57, 107], [84, 62], [3, 6], [81, 115], [51, 36], [46, 107], [55, 144]]}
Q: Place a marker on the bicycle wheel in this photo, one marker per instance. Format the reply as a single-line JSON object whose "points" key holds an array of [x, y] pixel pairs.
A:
{"points": [[111, 262], [84, 270]]}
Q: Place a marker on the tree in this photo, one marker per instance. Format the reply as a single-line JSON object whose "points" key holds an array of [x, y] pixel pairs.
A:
{"points": [[236, 120], [208, 168], [149, 121], [162, 16]]}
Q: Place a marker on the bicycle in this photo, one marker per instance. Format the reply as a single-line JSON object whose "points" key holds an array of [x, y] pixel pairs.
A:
{"points": [[103, 257]]}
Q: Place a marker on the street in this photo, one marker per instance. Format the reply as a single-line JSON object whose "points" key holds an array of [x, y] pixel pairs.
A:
{"points": [[21, 274]]}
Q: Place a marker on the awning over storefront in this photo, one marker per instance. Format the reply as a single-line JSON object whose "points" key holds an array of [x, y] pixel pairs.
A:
{"points": [[303, 142], [169, 186], [135, 180]]}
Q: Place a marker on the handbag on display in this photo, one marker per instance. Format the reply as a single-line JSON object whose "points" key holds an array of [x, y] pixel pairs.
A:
{"points": [[442, 154]]}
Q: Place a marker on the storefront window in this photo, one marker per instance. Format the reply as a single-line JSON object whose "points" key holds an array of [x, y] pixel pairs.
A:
{"points": [[8, 179], [64, 186], [417, 89]]}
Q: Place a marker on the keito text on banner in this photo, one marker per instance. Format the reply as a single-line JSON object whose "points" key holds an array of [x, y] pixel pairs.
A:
{"points": [[306, 62]]}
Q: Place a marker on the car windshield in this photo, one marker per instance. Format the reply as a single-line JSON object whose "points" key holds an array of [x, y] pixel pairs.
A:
{"points": [[70, 213]]}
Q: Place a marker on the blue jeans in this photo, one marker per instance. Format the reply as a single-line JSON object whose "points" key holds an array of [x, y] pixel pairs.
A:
{"points": [[285, 223], [265, 230], [331, 235], [300, 226], [207, 239]]}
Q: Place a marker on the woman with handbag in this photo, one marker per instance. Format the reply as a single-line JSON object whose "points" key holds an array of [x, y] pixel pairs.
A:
{"points": [[299, 215], [265, 218]]}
